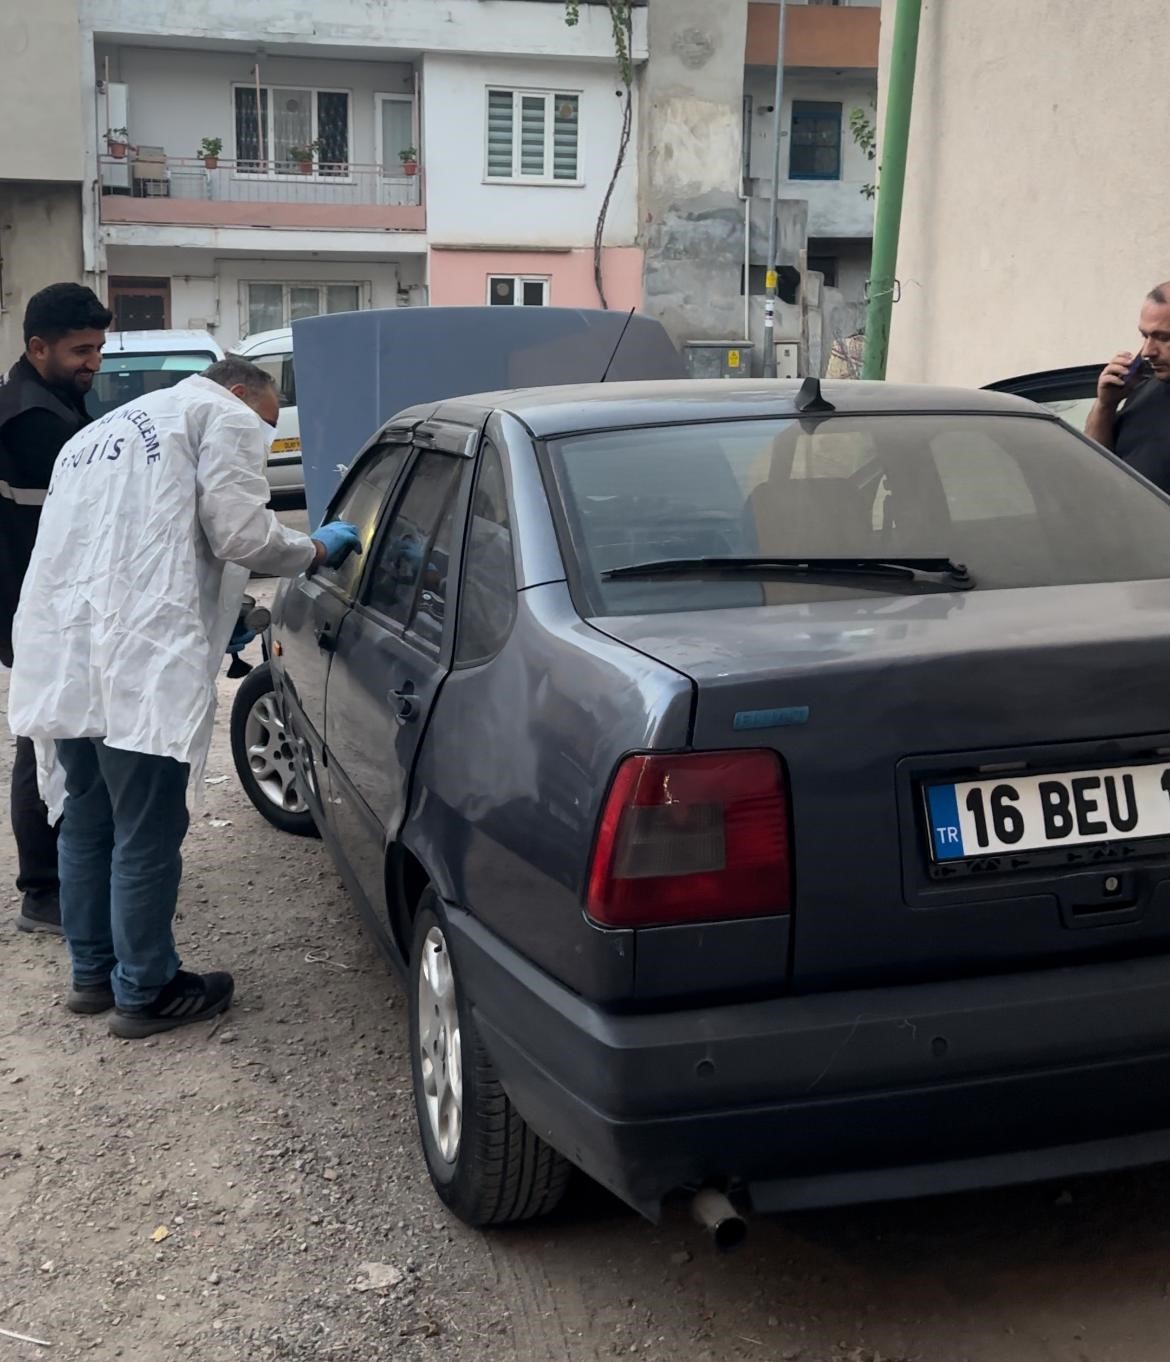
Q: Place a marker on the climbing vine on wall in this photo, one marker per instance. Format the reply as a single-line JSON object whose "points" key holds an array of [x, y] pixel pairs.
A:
{"points": [[622, 23]]}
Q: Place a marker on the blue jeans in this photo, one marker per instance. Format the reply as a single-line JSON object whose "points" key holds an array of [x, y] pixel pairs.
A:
{"points": [[118, 857]]}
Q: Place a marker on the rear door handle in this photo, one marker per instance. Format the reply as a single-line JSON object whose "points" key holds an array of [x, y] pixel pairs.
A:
{"points": [[406, 701], [326, 639]]}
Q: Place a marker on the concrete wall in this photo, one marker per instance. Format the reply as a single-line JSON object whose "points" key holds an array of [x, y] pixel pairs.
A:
{"points": [[40, 243], [459, 278], [463, 207], [207, 288], [691, 213], [836, 208], [40, 90], [176, 97], [1036, 213]]}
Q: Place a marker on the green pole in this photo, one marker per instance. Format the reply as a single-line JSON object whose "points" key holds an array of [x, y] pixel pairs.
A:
{"points": [[891, 183]]}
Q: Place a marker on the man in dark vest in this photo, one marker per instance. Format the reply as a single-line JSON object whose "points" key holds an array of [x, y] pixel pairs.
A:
{"points": [[42, 404], [1132, 413]]}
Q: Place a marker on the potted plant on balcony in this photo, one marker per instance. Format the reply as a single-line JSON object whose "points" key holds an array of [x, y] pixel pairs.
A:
{"points": [[117, 140], [209, 150], [303, 157], [409, 158]]}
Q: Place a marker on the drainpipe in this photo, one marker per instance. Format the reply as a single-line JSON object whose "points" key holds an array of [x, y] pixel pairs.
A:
{"points": [[772, 275], [891, 183]]}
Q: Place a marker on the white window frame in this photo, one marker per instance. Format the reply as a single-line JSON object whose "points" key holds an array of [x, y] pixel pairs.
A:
{"points": [[518, 282], [379, 149], [363, 286], [518, 94], [270, 172]]}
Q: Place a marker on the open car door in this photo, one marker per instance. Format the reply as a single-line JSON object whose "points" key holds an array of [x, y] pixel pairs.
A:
{"points": [[1070, 393]]}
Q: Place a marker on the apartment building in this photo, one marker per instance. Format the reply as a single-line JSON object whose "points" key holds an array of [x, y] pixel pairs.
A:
{"points": [[1036, 215], [706, 171], [41, 162], [254, 165], [830, 82]]}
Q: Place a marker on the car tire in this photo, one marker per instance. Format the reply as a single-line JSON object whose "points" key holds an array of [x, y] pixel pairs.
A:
{"points": [[263, 757], [494, 1170]]}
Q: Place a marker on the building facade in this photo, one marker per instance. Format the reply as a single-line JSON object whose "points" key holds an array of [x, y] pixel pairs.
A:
{"points": [[706, 170], [1035, 216], [253, 167], [41, 162]]}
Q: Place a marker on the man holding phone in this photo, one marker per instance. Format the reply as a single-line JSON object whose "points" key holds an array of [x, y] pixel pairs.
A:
{"points": [[1131, 416]]}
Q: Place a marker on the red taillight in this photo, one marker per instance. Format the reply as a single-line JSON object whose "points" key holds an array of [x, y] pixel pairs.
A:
{"points": [[690, 838]]}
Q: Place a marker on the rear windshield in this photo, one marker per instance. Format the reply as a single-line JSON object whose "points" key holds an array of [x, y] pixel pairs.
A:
{"points": [[1022, 502], [125, 378]]}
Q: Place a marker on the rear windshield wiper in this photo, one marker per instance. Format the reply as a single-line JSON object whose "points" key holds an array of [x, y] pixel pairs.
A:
{"points": [[929, 571]]}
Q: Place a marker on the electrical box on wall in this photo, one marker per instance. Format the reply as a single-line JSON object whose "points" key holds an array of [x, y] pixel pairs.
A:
{"points": [[788, 360]]}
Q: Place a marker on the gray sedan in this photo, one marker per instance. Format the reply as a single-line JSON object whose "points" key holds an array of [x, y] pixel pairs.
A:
{"points": [[761, 788]]}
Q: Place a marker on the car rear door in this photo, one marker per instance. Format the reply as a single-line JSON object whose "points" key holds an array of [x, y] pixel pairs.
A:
{"points": [[1070, 393], [313, 606], [394, 650]]}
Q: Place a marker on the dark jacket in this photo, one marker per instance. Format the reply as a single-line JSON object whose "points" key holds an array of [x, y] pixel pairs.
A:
{"points": [[36, 420]]}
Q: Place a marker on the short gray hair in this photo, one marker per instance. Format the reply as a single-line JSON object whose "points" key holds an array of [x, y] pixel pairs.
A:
{"points": [[1161, 294], [233, 371]]}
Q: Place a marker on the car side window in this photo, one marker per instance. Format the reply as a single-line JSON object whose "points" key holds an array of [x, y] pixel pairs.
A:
{"points": [[487, 604], [280, 368], [411, 559], [360, 504]]}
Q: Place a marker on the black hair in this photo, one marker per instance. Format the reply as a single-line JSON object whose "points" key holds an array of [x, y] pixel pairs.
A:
{"points": [[1161, 294], [234, 370], [61, 308]]}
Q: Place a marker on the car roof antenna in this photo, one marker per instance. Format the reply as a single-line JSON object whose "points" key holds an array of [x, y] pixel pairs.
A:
{"points": [[810, 398], [618, 346]]}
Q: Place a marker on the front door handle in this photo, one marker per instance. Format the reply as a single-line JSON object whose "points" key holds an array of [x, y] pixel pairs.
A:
{"points": [[326, 638], [406, 701]]}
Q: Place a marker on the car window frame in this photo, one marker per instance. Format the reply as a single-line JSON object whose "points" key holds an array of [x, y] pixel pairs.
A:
{"points": [[470, 663], [353, 474], [459, 498]]}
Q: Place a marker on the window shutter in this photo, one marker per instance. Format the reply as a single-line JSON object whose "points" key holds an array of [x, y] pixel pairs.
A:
{"points": [[566, 120], [499, 141], [532, 121]]}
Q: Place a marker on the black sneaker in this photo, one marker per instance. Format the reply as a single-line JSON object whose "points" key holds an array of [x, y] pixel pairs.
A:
{"points": [[40, 913], [186, 999], [89, 999]]}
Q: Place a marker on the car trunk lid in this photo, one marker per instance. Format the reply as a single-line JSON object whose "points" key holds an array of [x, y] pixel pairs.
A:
{"points": [[872, 699]]}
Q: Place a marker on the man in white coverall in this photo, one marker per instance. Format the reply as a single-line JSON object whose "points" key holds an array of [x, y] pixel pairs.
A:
{"points": [[154, 518]]}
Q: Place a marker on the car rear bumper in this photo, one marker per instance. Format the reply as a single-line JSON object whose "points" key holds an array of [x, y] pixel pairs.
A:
{"points": [[837, 1097]]}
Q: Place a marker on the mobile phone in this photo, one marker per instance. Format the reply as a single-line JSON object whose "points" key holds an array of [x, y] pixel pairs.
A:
{"points": [[1136, 368]]}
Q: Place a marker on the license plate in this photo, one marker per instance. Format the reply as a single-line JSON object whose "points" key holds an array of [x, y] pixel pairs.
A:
{"points": [[1013, 814], [287, 446]]}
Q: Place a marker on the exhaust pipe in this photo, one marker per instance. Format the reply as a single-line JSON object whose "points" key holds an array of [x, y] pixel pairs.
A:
{"points": [[720, 1219]]}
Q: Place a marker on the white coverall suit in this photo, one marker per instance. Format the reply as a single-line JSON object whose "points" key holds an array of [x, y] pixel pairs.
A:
{"points": [[154, 518]]}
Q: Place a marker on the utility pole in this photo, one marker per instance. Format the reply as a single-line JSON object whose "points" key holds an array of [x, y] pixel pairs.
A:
{"points": [[891, 184], [772, 276]]}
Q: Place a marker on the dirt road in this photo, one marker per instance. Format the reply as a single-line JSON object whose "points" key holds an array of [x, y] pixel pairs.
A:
{"points": [[215, 1195]]}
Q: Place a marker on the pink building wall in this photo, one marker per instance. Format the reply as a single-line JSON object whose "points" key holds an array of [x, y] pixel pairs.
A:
{"points": [[459, 278]]}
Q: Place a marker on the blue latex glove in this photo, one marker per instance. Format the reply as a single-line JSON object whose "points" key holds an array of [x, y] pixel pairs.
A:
{"points": [[240, 639], [339, 539]]}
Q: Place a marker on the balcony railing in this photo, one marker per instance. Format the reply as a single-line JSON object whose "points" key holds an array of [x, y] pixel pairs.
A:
{"points": [[176, 190]]}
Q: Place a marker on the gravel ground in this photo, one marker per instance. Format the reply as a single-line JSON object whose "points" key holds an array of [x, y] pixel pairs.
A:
{"points": [[253, 1190]]}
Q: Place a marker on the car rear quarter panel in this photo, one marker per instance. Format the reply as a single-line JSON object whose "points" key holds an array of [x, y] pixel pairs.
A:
{"points": [[516, 764]]}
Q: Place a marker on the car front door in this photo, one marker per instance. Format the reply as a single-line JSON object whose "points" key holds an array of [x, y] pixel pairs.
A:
{"points": [[1070, 393], [393, 653], [312, 609]]}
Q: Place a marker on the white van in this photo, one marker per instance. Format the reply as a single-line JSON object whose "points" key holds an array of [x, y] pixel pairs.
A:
{"points": [[273, 352], [135, 363]]}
